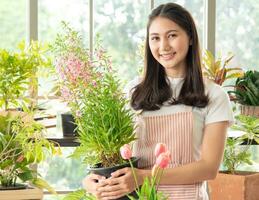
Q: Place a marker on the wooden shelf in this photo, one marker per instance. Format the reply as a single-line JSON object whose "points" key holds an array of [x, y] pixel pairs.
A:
{"points": [[22, 194]]}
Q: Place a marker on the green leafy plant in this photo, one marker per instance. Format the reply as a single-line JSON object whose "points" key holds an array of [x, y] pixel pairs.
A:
{"points": [[93, 92], [148, 191], [18, 72], [14, 79], [218, 70], [247, 88], [237, 148], [36, 58], [21, 144], [79, 195]]}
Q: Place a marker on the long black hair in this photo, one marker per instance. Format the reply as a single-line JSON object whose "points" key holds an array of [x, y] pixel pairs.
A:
{"points": [[155, 88]]}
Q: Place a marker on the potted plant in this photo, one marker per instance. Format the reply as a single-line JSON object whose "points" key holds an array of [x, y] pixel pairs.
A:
{"points": [[35, 57], [148, 189], [247, 93], [218, 70], [14, 79], [18, 71], [68, 125], [231, 183], [22, 144], [94, 95]]}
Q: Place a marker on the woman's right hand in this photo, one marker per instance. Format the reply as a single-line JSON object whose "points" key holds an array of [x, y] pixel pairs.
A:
{"points": [[92, 183]]}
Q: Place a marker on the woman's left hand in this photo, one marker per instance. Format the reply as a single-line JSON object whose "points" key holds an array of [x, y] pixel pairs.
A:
{"points": [[120, 184]]}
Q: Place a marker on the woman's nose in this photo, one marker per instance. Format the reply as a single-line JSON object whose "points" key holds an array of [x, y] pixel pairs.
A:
{"points": [[164, 45]]}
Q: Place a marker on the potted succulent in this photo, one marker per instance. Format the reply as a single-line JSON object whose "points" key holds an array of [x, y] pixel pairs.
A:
{"points": [[247, 93], [231, 183], [94, 95], [22, 144], [218, 70]]}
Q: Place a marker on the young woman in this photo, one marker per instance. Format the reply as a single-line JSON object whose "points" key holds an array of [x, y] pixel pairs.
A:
{"points": [[177, 107]]}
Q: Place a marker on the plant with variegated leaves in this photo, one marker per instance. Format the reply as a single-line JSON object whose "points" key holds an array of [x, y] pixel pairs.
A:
{"points": [[218, 70]]}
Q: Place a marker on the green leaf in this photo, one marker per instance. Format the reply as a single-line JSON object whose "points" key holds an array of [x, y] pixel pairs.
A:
{"points": [[40, 183]]}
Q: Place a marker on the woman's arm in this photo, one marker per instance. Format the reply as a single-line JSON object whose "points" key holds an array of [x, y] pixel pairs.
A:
{"points": [[207, 167]]}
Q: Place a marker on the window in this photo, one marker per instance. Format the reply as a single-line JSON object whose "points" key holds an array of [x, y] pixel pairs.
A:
{"points": [[13, 25], [122, 36], [237, 26], [51, 13], [63, 173]]}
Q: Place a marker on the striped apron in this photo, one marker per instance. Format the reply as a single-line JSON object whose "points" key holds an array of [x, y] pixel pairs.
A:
{"points": [[176, 131]]}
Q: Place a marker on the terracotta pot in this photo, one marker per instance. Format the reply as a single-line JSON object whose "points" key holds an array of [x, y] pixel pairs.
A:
{"points": [[249, 110], [240, 186], [107, 173]]}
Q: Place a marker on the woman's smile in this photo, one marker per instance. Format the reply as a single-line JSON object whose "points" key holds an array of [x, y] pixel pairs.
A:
{"points": [[167, 56]]}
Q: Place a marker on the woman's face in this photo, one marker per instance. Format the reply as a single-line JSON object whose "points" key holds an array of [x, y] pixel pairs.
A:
{"points": [[169, 45]]}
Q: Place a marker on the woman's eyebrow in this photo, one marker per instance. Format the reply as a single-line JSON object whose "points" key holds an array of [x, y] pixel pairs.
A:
{"points": [[173, 30]]}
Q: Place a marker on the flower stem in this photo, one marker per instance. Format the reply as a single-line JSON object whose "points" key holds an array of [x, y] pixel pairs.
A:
{"points": [[159, 177], [134, 175]]}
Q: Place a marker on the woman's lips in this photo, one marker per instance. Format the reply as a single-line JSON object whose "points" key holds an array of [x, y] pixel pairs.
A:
{"points": [[167, 56]]}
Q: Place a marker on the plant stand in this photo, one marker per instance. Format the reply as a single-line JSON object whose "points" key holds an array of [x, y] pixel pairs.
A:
{"points": [[241, 186], [23, 194]]}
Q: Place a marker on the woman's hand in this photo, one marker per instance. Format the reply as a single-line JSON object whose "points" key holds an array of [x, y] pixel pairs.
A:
{"points": [[93, 183], [119, 184]]}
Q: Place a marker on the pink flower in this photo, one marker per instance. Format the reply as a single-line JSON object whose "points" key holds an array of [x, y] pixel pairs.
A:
{"points": [[126, 152], [163, 159], [160, 148], [94, 83], [65, 93]]}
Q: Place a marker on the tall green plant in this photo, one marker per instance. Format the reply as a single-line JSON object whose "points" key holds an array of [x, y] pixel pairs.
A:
{"points": [[93, 92]]}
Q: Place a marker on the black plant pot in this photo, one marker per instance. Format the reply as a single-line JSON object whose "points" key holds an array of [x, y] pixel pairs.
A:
{"points": [[68, 125], [107, 173], [17, 186]]}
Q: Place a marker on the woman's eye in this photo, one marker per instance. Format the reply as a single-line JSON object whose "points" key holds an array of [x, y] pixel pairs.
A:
{"points": [[154, 38], [172, 35]]}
